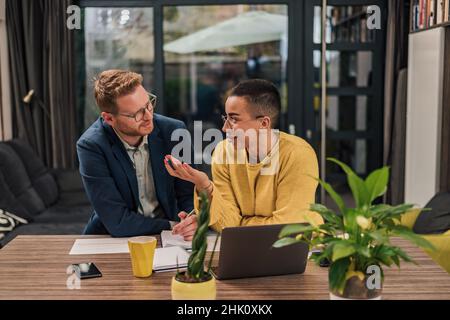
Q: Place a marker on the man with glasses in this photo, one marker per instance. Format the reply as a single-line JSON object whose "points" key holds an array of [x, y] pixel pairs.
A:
{"points": [[260, 175], [121, 161]]}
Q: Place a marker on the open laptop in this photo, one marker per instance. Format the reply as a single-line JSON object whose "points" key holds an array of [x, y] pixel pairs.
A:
{"points": [[248, 252]]}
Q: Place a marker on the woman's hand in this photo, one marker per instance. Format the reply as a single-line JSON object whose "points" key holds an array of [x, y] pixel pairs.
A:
{"points": [[186, 172]]}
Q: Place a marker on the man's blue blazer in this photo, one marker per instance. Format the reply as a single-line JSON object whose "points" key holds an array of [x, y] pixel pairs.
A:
{"points": [[110, 181]]}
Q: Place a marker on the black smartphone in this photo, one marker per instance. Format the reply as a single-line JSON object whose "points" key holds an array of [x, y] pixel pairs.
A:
{"points": [[86, 270]]}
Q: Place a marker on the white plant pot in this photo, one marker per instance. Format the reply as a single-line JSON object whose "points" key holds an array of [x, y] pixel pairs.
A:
{"points": [[334, 297]]}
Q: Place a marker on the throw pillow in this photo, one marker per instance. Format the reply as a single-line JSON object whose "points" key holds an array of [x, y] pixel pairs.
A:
{"points": [[9, 221]]}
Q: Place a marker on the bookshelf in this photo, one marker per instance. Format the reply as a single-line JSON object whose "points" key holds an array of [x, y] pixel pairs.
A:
{"points": [[355, 59], [348, 24], [429, 14], [444, 24]]}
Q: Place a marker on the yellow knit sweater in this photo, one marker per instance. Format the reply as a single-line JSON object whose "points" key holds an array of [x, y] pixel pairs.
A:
{"points": [[255, 194]]}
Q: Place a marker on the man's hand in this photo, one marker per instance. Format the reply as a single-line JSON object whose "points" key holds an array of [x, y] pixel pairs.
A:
{"points": [[186, 228]]}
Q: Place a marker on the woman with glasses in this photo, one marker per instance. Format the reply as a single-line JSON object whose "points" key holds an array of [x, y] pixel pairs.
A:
{"points": [[260, 175]]}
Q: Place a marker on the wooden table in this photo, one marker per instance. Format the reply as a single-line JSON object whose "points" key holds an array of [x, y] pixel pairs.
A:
{"points": [[34, 267]]}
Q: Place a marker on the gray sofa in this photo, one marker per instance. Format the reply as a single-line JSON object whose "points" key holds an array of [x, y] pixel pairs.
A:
{"points": [[52, 201]]}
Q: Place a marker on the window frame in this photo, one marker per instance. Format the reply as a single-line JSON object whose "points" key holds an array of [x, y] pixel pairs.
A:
{"points": [[295, 46], [300, 48]]}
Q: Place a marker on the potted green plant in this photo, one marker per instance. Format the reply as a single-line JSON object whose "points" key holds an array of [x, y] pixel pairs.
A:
{"points": [[356, 242], [195, 283]]}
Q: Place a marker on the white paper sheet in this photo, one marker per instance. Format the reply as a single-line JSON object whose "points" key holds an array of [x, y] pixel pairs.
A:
{"points": [[165, 258], [168, 239], [100, 246]]}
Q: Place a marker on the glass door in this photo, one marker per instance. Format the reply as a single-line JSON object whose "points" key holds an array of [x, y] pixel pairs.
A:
{"points": [[192, 75], [113, 38], [354, 68], [209, 49]]}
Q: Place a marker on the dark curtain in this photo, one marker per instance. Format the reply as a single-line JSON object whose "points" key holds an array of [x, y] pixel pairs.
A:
{"points": [[40, 50], [2, 130], [395, 97]]}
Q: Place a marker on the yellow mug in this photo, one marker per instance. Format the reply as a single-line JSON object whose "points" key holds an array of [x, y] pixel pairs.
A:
{"points": [[142, 251]]}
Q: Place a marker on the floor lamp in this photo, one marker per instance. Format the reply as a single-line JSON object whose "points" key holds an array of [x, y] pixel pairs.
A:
{"points": [[30, 96], [323, 99]]}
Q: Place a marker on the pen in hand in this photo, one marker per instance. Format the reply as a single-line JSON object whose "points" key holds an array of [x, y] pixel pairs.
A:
{"points": [[174, 230], [190, 213]]}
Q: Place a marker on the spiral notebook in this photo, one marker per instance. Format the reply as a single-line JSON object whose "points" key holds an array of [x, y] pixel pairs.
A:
{"points": [[170, 258], [168, 240]]}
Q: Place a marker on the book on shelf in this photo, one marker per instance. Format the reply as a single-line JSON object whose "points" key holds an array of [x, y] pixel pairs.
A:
{"points": [[415, 14], [429, 18], [431, 12], [440, 11], [349, 24], [428, 13], [363, 33], [446, 10], [423, 11]]}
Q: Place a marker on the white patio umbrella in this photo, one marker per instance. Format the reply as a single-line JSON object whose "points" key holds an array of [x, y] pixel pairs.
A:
{"points": [[247, 28]]}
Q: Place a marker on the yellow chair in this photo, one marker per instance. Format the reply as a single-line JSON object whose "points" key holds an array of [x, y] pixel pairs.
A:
{"points": [[440, 241]]}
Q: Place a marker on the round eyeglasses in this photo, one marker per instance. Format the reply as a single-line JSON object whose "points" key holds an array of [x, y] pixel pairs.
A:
{"points": [[139, 115], [232, 121]]}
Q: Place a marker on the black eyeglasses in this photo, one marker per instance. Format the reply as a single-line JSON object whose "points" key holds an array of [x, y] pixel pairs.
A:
{"points": [[139, 115], [233, 121]]}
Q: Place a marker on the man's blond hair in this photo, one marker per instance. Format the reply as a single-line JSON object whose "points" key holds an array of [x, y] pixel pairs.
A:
{"points": [[112, 84]]}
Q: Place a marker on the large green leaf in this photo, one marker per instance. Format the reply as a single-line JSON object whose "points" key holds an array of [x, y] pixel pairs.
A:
{"points": [[401, 208], [418, 240], [337, 272], [357, 185], [364, 251], [384, 254], [196, 262], [327, 214], [402, 254], [343, 249], [382, 211], [376, 183], [396, 260], [320, 208], [350, 221], [285, 242], [295, 229], [383, 208], [380, 236], [377, 208], [333, 194]]}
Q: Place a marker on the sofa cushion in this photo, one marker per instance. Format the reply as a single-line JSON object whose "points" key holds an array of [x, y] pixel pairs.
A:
{"points": [[436, 220], [63, 214], [32, 163], [8, 222], [16, 180], [47, 189], [9, 203], [68, 180], [74, 198], [40, 177]]}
